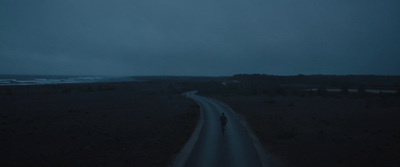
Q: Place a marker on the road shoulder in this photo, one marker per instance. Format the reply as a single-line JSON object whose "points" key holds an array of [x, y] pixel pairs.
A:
{"points": [[183, 155]]}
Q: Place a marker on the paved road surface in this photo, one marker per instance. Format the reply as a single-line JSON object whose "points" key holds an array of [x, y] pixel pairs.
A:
{"points": [[214, 150]]}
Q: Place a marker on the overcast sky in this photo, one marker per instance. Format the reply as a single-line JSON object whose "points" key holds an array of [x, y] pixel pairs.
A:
{"points": [[199, 37]]}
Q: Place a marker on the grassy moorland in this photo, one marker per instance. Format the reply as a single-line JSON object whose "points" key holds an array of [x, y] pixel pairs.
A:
{"points": [[103, 124], [146, 123], [324, 131], [318, 128]]}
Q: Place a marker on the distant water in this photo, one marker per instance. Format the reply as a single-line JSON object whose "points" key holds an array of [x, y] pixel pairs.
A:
{"points": [[56, 79]]}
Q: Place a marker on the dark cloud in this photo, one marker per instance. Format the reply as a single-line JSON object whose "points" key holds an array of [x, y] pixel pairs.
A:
{"points": [[209, 37]]}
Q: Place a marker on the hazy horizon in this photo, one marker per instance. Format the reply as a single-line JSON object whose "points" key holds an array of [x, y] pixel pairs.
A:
{"points": [[289, 75], [199, 38]]}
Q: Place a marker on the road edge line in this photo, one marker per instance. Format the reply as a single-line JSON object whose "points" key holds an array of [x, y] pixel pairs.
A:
{"points": [[183, 155]]}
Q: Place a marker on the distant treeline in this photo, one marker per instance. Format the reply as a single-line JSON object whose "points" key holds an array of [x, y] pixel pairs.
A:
{"points": [[329, 81]]}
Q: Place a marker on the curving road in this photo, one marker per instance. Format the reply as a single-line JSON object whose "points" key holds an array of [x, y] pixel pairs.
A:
{"points": [[211, 148]]}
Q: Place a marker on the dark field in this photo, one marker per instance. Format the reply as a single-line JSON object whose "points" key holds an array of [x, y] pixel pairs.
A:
{"points": [[147, 123], [319, 128], [320, 131], [116, 124]]}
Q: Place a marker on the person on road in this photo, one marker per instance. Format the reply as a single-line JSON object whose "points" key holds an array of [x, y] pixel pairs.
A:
{"points": [[223, 121]]}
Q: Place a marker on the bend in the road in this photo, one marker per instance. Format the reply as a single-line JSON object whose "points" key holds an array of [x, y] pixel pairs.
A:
{"points": [[211, 148]]}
